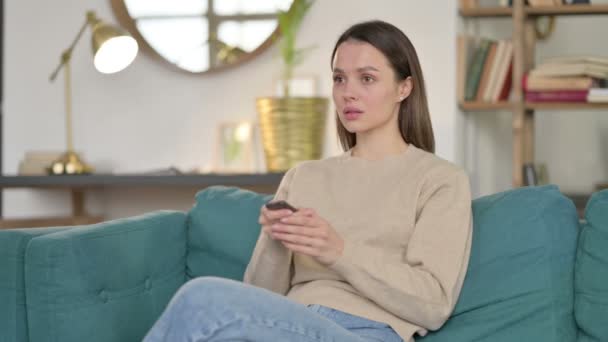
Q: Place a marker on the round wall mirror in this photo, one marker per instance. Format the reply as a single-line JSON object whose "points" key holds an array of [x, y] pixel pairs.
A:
{"points": [[201, 35]]}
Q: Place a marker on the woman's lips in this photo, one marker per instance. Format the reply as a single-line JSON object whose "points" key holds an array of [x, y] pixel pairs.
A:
{"points": [[352, 114]]}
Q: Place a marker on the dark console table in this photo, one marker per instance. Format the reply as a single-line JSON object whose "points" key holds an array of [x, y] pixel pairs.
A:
{"points": [[78, 185]]}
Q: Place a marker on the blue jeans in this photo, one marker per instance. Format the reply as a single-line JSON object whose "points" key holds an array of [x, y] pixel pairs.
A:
{"points": [[216, 309]]}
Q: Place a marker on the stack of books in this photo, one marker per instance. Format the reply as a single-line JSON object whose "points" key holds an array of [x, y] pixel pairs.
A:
{"points": [[36, 163], [568, 79], [544, 3], [466, 4], [484, 69]]}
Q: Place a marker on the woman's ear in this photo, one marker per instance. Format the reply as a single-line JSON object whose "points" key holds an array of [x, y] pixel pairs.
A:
{"points": [[405, 88]]}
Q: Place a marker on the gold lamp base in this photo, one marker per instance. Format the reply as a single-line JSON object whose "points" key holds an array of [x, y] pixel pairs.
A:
{"points": [[69, 164]]}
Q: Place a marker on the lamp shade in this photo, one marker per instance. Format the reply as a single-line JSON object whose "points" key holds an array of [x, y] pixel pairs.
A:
{"points": [[113, 48]]}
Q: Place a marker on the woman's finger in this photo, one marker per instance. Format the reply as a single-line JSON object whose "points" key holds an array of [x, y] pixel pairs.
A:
{"points": [[296, 239], [308, 212], [300, 220], [297, 230], [310, 251]]}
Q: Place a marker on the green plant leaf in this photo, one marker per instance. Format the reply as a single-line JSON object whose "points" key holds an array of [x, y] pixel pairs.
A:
{"points": [[301, 53], [289, 23]]}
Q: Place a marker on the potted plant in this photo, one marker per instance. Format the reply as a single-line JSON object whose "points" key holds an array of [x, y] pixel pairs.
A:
{"points": [[292, 128]]}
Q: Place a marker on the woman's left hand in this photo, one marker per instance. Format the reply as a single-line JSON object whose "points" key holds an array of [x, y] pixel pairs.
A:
{"points": [[308, 233]]}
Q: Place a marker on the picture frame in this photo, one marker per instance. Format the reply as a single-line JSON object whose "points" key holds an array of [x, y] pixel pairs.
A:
{"points": [[235, 147]]}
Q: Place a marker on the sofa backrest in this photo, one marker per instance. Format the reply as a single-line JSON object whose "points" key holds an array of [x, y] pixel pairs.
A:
{"points": [[591, 272], [519, 284], [222, 231], [520, 278], [13, 315], [104, 282]]}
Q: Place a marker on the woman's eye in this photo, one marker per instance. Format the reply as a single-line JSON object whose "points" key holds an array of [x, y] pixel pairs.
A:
{"points": [[338, 79], [368, 79]]}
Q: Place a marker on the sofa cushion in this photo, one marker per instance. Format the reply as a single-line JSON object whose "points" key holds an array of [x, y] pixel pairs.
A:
{"points": [[519, 284], [13, 318], [591, 272], [223, 229], [104, 282]]}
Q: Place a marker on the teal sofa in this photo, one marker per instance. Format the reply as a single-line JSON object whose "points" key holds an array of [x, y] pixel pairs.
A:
{"points": [[536, 272]]}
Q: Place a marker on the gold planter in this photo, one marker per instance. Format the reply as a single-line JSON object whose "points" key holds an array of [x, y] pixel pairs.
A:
{"points": [[292, 129]]}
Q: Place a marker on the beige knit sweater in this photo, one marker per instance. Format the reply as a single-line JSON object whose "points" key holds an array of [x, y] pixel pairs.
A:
{"points": [[406, 223]]}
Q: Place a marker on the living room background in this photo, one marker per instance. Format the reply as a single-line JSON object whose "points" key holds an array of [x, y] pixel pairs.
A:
{"points": [[150, 117]]}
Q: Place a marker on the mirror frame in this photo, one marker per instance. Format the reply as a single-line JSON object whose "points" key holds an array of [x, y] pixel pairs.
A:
{"points": [[124, 19]]}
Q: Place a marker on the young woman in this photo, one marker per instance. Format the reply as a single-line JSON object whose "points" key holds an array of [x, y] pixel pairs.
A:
{"points": [[378, 247]]}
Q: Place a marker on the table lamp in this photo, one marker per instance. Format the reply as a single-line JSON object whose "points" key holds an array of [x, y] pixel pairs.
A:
{"points": [[113, 50]]}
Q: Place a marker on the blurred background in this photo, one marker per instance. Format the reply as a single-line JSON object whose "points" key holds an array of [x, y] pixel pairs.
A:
{"points": [[164, 115]]}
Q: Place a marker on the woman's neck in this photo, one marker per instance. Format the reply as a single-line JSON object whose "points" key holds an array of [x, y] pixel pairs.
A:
{"points": [[377, 150], [380, 142]]}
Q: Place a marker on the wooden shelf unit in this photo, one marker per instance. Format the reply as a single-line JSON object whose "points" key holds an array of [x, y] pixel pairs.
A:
{"points": [[566, 105], [524, 42], [481, 106], [469, 106], [488, 12], [568, 10]]}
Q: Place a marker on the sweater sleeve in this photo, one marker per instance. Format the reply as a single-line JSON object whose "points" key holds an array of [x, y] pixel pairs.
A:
{"points": [[270, 265], [424, 285]]}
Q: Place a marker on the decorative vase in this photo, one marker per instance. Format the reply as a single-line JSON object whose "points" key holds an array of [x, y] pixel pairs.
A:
{"points": [[292, 129]]}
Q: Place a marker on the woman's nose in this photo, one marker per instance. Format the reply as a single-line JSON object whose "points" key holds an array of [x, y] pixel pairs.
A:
{"points": [[349, 92]]}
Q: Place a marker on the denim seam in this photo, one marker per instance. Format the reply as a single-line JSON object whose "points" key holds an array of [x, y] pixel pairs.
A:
{"points": [[264, 323]]}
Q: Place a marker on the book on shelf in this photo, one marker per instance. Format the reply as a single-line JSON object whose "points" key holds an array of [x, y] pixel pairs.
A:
{"points": [[541, 83], [475, 68], [486, 90], [484, 77], [35, 163], [557, 96], [464, 51], [509, 3], [484, 69], [598, 95], [544, 3], [597, 70], [540, 3], [577, 2], [601, 60], [501, 81]]}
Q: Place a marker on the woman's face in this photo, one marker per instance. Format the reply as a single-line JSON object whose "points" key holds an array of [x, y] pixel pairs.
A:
{"points": [[365, 91]]}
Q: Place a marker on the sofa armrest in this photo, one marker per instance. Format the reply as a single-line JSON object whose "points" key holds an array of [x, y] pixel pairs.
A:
{"points": [[13, 243], [104, 282], [591, 271]]}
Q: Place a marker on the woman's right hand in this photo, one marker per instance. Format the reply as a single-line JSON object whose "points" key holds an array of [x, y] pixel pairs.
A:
{"points": [[270, 217]]}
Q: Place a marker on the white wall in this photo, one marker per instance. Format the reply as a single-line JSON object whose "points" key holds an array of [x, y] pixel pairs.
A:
{"points": [[150, 117]]}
